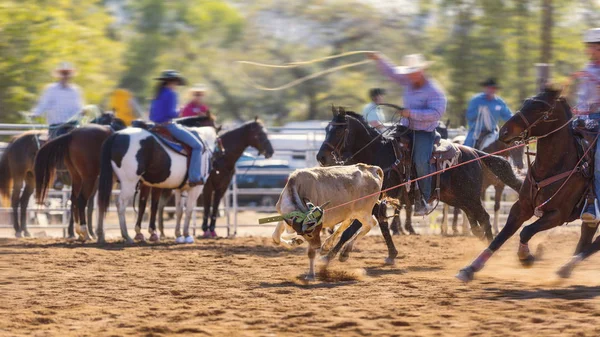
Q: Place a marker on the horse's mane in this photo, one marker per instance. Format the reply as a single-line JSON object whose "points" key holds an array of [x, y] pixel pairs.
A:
{"points": [[243, 126], [553, 92], [361, 119]]}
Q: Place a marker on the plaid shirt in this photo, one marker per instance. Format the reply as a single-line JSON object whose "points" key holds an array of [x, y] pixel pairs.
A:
{"points": [[588, 95], [59, 103], [427, 104]]}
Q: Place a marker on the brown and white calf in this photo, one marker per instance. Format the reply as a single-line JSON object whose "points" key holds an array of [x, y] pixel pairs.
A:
{"points": [[336, 185]]}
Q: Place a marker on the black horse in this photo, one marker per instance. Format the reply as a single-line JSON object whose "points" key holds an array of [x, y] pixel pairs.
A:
{"points": [[352, 135]]}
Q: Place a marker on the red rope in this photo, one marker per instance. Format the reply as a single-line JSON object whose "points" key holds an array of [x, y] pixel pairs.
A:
{"points": [[431, 174]]}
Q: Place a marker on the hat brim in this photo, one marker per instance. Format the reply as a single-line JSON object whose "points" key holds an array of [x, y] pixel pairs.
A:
{"points": [[57, 72], [181, 80], [404, 70]]}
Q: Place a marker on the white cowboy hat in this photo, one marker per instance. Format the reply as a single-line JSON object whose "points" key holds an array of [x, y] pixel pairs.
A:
{"points": [[412, 63], [64, 66], [199, 88], [592, 36]]}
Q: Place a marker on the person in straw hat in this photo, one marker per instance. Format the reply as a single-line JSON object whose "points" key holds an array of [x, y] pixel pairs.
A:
{"points": [[60, 101], [484, 111], [588, 103], [196, 107], [425, 104], [164, 108]]}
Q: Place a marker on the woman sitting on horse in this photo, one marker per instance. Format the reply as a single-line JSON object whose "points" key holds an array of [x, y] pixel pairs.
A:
{"points": [[164, 108]]}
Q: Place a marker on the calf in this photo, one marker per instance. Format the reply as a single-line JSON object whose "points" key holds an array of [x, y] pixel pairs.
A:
{"points": [[335, 185]]}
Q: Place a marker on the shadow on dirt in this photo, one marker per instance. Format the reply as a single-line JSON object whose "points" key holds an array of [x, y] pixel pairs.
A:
{"points": [[576, 292]]}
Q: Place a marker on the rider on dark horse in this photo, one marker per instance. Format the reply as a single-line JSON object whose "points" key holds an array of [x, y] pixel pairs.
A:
{"points": [[425, 104], [164, 108], [588, 103], [483, 113]]}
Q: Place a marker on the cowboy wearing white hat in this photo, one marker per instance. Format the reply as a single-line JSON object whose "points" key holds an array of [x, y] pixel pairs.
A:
{"points": [[62, 100], [196, 106], [425, 104], [588, 102]]}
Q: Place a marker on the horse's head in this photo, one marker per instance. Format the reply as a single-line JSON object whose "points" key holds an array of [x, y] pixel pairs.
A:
{"points": [[107, 118], [538, 116], [258, 138], [336, 135]]}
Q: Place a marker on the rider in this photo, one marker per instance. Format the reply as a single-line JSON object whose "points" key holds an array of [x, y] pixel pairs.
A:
{"points": [[588, 103], [196, 107], [164, 108], [60, 101], [372, 113], [484, 111], [425, 104]]}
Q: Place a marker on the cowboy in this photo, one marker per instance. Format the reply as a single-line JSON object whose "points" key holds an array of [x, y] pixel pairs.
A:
{"points": [[483, 113], [164, 108], [588, 103], [372, 112], [196, 107], [425, 104], [60, 101]]}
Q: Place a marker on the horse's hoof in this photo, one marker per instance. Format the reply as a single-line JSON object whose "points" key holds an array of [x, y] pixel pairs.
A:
{"points": [[180, 239], [326, 259], [18, 235], [101, 240], [189, 239], [129, 241], [466, 275], [565, 271], [390, 261], [344, 257], [82, 238], [139, 237], [527, 261], [309, 277], [26, 234], [92, 235], [154, 238]]}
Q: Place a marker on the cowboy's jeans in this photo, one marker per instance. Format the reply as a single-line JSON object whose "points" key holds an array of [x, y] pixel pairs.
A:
{"points": [[185, 136], [422, 149], [596, 116]]}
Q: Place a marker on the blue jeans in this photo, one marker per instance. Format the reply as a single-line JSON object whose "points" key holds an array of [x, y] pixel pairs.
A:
{"points": [[596, 116], [184, 135], [422, 149]]}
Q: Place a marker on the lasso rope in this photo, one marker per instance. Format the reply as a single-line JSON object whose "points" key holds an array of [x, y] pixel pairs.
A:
{"points": [[296, 64]]}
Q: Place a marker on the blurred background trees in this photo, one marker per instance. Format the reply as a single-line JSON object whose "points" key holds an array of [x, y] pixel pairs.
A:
{"points": [[125, 43]]}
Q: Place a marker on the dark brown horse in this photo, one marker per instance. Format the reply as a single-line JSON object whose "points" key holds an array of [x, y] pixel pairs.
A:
{"points": [[351, 134], [233, 143], [79, 150], [544, 192], [16, 172], [516, 155]]}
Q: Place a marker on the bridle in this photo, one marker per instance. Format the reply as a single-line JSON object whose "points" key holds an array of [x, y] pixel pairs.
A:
{"points": [[524, 135], [336, 151]]}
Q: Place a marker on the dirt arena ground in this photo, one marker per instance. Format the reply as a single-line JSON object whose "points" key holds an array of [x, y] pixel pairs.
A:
{"points": [[247, 287]]}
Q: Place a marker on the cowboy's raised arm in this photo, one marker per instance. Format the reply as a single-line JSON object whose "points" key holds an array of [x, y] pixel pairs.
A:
{"points": [[388, 68], [434, 111]]}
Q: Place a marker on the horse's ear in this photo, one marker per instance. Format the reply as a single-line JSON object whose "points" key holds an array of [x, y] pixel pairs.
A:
{"points": [[255, 118], [219, 128], [342, 111]]}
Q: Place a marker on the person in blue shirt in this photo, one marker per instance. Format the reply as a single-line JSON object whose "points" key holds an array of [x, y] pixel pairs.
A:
{"points": [[484, 111], [164, 108], [372, 113]]}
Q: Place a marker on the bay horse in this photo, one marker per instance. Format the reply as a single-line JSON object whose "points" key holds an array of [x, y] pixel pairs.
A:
{"points": [[79, 151], [516, 156], [545, 192], [349, 133], [135, 156], [232, 145]]}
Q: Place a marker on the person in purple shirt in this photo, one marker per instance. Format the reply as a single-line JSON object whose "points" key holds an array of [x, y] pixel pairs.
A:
{"points": [[425, 104], [164, 108]]}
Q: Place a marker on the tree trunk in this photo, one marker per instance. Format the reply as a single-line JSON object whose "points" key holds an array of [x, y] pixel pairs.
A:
{"points": [[522, 49], [546, 36]]}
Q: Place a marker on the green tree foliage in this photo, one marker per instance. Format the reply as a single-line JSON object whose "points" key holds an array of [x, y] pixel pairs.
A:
{"points": [[36, 35]]}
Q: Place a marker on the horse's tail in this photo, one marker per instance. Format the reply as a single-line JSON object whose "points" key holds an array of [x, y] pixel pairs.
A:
{"points": [[5, 174], [502, 169], [105, 182], [295, 196], [47, 159]]}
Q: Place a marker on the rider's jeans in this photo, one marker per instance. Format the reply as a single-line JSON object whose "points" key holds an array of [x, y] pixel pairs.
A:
{"points": [[422, 149], [184, 135], [596, 116]]}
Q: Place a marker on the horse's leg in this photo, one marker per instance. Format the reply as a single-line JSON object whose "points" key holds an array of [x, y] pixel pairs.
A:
{"points": [[207, 198], [90, 213], [396, 226], [445, 212], [27, 191], [178, 214], [585, 239], [549, 220], [143, 199], [497, 199], [83, 229], [465, 221], [476, 212], [15, 200], [380, 212], [165, 195], [156, 193], [583, 251], [218, 195], [192, 198], [517, 216], [125, 197], [456, 212], [408, 208]]}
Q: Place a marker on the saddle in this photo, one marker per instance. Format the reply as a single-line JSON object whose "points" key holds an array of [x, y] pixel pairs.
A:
{"points": [[445, 155], [585, 133], [165, 137]]}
